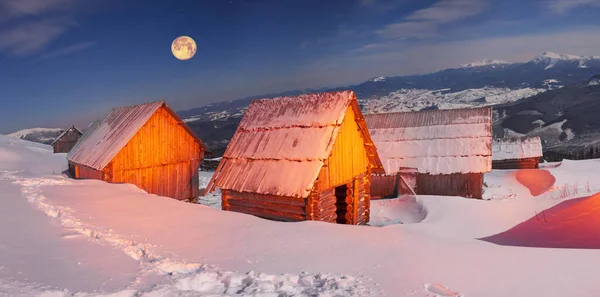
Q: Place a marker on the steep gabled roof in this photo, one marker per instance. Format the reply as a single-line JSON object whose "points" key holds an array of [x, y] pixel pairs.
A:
{"points": [[64, 133], [281, 144], [517, 148], [104, 139], [434, 141]]}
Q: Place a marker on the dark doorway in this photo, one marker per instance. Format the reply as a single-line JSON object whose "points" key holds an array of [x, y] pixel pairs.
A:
{"points": [[340, 204]]}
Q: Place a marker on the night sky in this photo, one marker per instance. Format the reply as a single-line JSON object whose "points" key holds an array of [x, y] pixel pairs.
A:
{"points": [[66, 62]]}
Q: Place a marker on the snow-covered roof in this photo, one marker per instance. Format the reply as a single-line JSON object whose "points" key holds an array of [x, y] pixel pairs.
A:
{"points": [[105, 138], [72, 128], [434, 141], [512, 149], [281, 144]]}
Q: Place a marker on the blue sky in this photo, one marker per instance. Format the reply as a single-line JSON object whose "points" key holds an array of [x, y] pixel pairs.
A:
{"points": [[70, 61]]}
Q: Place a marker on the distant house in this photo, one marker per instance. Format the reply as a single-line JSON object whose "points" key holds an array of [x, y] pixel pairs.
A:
{"points": [[66, 140], [147, 145], [300, 158], [449, 150], [516, 153]]}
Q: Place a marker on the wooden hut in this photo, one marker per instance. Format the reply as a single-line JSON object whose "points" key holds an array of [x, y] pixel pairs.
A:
{"points": [[516, 153], [66, 140], [450, 149], [147, 145], [300, 158]]}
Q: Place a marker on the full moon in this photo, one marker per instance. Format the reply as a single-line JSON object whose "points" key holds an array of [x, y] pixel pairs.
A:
{"points": [[183, 47]]}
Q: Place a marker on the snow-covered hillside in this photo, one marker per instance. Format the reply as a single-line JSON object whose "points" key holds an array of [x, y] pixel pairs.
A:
{"points": [[415, 99], [90, 238], [550, 59], [484, 62], [41, 135]]}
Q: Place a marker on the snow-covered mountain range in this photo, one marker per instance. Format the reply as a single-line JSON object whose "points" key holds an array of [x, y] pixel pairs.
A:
{"points": [[483, 82], [41, 135]]}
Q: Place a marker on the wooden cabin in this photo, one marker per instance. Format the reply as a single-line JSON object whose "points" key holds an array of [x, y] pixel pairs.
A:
{"points": [[308, 157], [147, 145], [66, 140], [450, 149], [517, 153]]}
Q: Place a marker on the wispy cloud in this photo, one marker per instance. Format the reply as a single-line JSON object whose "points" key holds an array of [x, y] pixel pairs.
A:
{"points": [[30, 37], [426, 22], [68, 50], [402, 59], [10, 9], [381, 5], [563, 6]]}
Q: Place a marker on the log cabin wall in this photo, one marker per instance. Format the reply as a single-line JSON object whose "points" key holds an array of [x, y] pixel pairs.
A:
{"points": [[162, 158], [279, 208], [464, 185], [527, 163], [353, 208]]}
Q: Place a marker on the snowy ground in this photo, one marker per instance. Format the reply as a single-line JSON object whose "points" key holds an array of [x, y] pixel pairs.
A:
{"points": [[63, 237]]}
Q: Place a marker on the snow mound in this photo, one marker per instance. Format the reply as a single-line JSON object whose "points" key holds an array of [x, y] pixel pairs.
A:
{"points": [[403, 210], [538, 181], [573, 224]]}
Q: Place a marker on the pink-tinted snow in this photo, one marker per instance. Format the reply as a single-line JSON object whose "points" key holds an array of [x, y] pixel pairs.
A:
{"points": [[309, 110], [573, 224], [538, 181]]}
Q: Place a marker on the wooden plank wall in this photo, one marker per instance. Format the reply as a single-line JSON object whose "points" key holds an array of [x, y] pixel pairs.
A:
{"points": [[383, 186], [527, 163], [63, 146], [466, 185], [348, 157], [66, 142], [162, 158], [84, 172]]}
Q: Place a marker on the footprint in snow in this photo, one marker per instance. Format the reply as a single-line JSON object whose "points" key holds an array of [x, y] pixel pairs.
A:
{"points": [[440, 291]]}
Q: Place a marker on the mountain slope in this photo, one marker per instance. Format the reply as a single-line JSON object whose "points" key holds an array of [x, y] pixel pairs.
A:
{"points": [[566, 119], [484, 82], [41, 135]]}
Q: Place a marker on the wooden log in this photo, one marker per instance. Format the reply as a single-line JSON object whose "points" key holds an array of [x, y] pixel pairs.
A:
{"points": [[348, 217], [331, 218], [349, 208], [269, 198], [326, 213], [224, 202], [349, 199], [286, 208], [269, 214]]}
